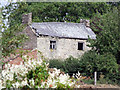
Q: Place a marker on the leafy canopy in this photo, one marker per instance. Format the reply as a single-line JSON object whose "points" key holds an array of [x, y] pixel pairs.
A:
{"points": [[58, 11], [11, 39], [108, 35]]}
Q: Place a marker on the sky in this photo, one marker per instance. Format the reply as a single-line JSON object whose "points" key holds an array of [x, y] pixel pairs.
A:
{"points": [[3, 2]]}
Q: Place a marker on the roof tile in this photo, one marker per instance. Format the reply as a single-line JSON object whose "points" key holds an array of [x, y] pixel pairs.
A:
{"points": [[62, 29]]}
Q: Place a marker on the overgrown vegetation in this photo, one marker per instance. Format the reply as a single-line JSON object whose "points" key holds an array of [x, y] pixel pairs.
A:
{"points": [[11, 38], [57, 11], [89, 63], [105, 55], [108, 33], [55, 63], [39, 75], [34, 73]]}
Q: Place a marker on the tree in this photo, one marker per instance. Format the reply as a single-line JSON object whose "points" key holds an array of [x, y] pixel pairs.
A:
{"points": [[106, 46], [108, 35], [11, 40], [58, 11]]}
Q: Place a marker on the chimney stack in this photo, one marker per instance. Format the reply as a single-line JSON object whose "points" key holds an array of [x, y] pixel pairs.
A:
{"points": [[27, 18], [86, 22]]}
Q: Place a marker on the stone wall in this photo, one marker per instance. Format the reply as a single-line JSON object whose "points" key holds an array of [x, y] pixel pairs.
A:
{"points": [[31, 43], [27, 18], [64, 47]]}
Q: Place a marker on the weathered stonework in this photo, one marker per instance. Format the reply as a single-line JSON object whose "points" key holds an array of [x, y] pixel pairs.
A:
{"points": [[57, 40], [31, 43], [64, 47], [27, 18]]}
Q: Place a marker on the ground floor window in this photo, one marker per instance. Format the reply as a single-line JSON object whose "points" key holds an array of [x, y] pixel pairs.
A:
{"points": [[80, 46], [52, 44]]}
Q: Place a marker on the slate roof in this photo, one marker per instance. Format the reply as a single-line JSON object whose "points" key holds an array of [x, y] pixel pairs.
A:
{"points": [[64, 29]]}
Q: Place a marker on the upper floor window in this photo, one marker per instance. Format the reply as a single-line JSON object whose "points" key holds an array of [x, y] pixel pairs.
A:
{"points": [[80, 46], [52, 44]]}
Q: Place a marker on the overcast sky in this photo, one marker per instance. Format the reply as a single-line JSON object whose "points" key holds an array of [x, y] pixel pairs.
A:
{"points": [[3, 2]]}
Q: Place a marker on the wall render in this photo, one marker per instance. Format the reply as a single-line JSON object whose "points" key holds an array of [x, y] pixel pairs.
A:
{"points": [[64, 47]]}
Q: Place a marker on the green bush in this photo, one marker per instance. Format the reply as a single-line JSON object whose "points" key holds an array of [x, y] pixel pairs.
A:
{"points": [[39, 74], [107, 64], [88, 81], [70, 65], [88, 64], [55, 63]]}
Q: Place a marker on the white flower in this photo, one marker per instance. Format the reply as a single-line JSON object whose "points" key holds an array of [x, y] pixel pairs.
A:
{"points": [[78, 76], [71, 83], [32, 81], [0, 84], [22, 69], [4, 73], [63, 78], [16, 85], [51, 75], [57, 72], [24, 82], [77, 86], [43, 85], [78, 73]]}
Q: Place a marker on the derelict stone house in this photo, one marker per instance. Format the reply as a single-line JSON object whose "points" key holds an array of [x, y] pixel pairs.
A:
{"points": [[57, 39]]}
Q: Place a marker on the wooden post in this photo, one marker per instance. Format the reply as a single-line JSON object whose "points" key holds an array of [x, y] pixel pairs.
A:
{"points": [[95, 78]]}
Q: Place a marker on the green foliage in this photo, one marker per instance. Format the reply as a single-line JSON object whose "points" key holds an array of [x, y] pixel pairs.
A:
{"points": [[113, 78], [107, 44], [109, 79], [108, 35], [60, 86], [88, 81], [59, 64], [91, 62], [58, 11], [11, 37], [88, 64], [70, 65], [9, 84], [11, 40], [0, 34], [39, 75]]}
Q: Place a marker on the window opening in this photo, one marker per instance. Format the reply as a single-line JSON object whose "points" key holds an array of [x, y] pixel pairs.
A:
{"points": [[80, 46], [52, 44]]}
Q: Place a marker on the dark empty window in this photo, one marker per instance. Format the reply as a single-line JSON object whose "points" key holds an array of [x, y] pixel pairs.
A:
{"points": [[52, 44], [80, 46]]}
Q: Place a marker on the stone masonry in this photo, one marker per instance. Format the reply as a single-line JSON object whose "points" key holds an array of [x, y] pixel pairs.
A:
{"points": [[64, 47]]}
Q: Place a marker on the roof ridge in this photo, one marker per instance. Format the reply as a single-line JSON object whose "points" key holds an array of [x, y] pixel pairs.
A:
{"points": [[70, 29]]}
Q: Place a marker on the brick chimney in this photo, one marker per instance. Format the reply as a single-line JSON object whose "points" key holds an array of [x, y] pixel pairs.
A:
{"points": [[27, 18], [86, 22]]}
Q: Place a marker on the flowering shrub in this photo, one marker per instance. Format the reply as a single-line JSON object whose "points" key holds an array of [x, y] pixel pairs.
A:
{"points": [[34, 73], [35, 77]]}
